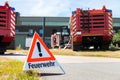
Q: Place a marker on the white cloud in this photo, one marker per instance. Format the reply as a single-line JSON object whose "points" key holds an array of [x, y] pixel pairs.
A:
{"points": [[60, 7], [50, 8]]}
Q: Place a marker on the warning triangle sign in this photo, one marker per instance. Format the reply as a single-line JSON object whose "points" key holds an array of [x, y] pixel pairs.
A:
{"points": [[39, 56], [39, 51]]}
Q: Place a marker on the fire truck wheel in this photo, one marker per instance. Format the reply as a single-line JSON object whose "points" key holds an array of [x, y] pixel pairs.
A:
{"points": [[95, 46], [1, 52], [104, 47], [75, 46]]}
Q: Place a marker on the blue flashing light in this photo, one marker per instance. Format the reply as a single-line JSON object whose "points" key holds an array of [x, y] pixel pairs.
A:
{"points": [[13, 8], [109, 10], [73, 12]]}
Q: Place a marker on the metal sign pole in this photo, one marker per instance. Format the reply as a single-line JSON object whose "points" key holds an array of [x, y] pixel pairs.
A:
{"points": [[43, 35]]}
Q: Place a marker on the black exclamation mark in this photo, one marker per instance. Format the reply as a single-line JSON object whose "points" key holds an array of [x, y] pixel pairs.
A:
{"points": [[39, 49]]}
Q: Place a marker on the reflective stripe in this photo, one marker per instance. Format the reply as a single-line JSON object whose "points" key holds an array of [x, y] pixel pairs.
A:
{"points": [[74, 20], [110, 22], [74, 15], [12, 31], [74, 24], [11, 11], [12, 26], [110, 26], [12, 22], [13, 17], [74, 27], [110, 18]]}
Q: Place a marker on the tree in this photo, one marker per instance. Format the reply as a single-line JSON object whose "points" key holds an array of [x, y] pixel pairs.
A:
{"points": [[116, 39]]}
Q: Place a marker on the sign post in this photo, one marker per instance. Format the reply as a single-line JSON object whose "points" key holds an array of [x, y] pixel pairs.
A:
{"points": [[39, 56]]}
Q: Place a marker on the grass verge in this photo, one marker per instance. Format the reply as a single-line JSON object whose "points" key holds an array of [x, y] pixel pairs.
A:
{"points": [[92, 53], [69, 52], [12, 70]]}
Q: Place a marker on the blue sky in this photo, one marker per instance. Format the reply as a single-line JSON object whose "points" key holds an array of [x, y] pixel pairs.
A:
{"points": [[60, 7]]}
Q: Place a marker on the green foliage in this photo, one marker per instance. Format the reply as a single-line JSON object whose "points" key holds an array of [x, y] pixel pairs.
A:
{"points": [[116, 39]]}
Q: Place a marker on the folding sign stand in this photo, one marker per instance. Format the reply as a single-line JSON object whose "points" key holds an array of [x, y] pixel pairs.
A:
{"points": [[39, 56]]}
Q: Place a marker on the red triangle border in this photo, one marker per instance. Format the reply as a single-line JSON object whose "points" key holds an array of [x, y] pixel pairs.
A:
{"points": [[30, 59]]}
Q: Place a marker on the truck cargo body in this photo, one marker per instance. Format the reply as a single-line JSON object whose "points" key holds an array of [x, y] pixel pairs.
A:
{"points": [[91, 28], [7, 26]]}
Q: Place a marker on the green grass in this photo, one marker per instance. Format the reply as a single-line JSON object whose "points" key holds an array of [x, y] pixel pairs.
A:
{"points": [[69, 52], [12, 70], [91, 53]]}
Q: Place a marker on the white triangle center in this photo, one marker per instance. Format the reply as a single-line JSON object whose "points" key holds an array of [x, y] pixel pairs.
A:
{"points": [[36, 52]]}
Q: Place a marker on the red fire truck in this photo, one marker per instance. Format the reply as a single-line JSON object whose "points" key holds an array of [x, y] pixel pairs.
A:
{"points": [[7, 26], [91, 28]]}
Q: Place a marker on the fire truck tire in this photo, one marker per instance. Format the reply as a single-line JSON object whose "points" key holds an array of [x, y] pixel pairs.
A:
{"points": [[2, 51], [104, 47], [76, 46], [95, 46]]}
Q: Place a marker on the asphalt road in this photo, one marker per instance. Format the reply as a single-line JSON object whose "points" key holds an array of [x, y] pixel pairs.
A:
{"points": [[80, 68]]}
